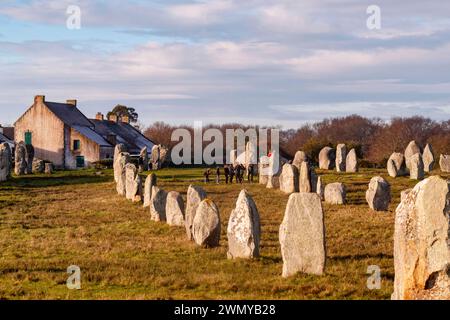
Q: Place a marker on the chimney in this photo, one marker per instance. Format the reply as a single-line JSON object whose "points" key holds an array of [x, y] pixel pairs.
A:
{"points": [[125, 119], [99, 116], [39, 99], [72, 102], [112, 117]]}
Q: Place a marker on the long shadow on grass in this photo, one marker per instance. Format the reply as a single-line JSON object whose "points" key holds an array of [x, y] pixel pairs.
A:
{"points": [[361, 257], [33, 181]]}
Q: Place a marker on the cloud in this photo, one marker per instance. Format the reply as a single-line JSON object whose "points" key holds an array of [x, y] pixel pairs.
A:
{"points": [[228, 60]]}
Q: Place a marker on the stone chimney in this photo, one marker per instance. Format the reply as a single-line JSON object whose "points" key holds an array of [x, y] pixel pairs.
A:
{"points": [[125, 119], [112, 117], [99, 116], [72, 102], [39, 99]]}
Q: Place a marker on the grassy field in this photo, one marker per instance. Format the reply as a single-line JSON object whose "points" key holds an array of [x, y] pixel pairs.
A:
{"points": [[48, 223]]}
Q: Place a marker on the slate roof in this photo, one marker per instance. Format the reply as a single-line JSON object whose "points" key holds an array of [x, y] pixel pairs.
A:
{"points": [[92, 135], [125, 133], [68, 114]]}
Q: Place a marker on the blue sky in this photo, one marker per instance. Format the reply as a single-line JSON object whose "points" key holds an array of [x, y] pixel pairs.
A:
{"points": [[268, 62]]}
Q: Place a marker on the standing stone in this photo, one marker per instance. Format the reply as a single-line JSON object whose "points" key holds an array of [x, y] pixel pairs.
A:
{"points": [[335, 193], [244, 229], [5, 162], [302, 235], [289, 179], [158, 204], [428, 158], [120, 148], [137, 189], [175, 209], [48, 168], [444, 163], [263, 170], [206, 224], [411, 150], [273, 182], [156, 156], [38, 166], [378, 195], [130, 180], [320, 189], [150, 182], [422, 244], [396, 165], [351, 162], [122, 160], [20, 159], [163, 155], [143, 160], [341, 157], [307, 178], [404, 194], [195, 195], [327, 158], [251, 154], [416, 167], [29, 157], [300, 157]]}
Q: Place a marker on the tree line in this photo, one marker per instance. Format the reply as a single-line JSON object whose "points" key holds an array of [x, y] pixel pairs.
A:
{"points": [[373, 139]]}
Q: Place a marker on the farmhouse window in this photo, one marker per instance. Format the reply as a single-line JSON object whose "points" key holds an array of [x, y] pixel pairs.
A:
{"points": [[76, 145]]}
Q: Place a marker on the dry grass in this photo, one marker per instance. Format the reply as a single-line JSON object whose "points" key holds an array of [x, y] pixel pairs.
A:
{"points": [[75, 218]]}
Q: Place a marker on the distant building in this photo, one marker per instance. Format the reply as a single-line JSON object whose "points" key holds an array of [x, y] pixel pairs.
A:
{"points": [[60, 133], [5, 136]]}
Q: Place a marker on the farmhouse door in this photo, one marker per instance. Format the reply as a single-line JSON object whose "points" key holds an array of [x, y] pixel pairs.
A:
{"points": [[80, 162]]}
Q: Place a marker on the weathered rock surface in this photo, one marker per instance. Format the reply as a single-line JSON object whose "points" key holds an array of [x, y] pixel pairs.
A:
{"points": [[195, 195], [121, 162], [158, 205], [341, 157], [327, 158], [300, 157], [396, 165], [175, 209], [29, 157], [48, 168], [320, 189], [20, 159], [307, 178], [143, 160], [428, 158], [444, 163], [422, 244], [5, 162], [335, 193], [120, 148], [273, 182], [404, 194], [38, 166], [351, 162], [244, 229], [289, 179], [378, 195], [206, 224], [130, 181], [302, 235], [412, 149], [150, 182], [416, 167]]}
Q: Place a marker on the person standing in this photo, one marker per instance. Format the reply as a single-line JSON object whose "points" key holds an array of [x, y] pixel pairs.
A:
{"points": [[217, 175], [226, 171], [206, 175], [250, 173], [231, 174]]}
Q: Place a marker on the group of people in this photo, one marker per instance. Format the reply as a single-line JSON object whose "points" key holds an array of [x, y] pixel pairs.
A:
{"points": [[231, 173]]}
